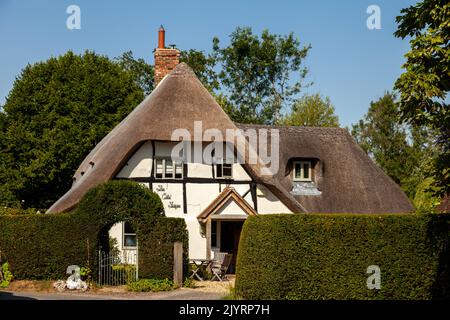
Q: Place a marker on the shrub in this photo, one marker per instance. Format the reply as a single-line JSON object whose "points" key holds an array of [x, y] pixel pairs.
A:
{"points": [[156, 247], [327, 256], [189, 283], [154, 285], [6, 275], [41, 246], [16, 211]]}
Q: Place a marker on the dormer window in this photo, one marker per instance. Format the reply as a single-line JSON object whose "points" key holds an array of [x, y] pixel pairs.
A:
{"points": [[302, 171]]}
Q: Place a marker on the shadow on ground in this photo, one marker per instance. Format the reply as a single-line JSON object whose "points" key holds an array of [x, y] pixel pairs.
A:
{"points": [[4, 295]]}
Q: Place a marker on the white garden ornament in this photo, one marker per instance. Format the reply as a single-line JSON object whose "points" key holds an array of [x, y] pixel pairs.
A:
{"points": [[73, 282]]}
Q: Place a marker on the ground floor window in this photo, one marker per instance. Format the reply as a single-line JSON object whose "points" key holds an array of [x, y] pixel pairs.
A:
{"points": [[213, 234], [129, 236]]}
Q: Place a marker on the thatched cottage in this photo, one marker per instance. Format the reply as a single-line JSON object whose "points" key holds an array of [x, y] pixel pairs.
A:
{"points": [[320, 170]]}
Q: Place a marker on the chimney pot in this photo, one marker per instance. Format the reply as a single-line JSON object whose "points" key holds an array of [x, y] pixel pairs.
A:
{"points": [[166, 59], [161, 37]]}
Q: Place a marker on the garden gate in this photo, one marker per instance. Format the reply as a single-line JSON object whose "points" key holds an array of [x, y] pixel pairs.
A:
{"points": [[117, 268]]}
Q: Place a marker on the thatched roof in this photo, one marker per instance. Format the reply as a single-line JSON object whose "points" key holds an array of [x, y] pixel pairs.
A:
{"points": [[352, 182], [177, 101]]}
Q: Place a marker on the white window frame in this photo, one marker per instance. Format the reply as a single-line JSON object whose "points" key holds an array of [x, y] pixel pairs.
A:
{"points": [[175, 165], [302, 174], [127, 234], [217, 235], [222, 175]]}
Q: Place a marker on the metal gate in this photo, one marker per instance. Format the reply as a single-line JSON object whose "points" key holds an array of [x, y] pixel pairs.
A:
{"points": [[117, 268]]}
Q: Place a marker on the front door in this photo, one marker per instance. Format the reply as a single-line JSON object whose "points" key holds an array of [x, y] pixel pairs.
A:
{"points": [[230, 234]]}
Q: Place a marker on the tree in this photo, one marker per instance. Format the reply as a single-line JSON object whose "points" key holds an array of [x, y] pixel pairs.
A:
{"points": [[313, 111], [203, 65], [260, 75], [403, 152], [142, 72], [426, 81], [55, 114]]}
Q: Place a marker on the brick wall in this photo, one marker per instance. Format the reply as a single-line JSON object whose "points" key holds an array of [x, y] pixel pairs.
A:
{"points": [[165, 61]]}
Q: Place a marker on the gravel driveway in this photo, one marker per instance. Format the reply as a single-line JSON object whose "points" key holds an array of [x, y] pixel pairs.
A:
{"points": [[205, 290]]}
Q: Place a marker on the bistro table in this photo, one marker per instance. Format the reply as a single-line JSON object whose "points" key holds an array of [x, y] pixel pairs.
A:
{"points": [[200, 266]]}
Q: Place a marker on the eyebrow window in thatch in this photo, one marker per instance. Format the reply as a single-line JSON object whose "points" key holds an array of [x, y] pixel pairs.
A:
{"points": [[302, 171]]}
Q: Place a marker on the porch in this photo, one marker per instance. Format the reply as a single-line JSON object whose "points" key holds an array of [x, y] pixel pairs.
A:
{"points": [[224, 219]]}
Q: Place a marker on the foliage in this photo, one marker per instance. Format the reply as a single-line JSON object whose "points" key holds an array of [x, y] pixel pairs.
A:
{"points": [[42, 246], [156, 255], [426, 81], [141, 72], [123, 198], [256, 73], [114, 249], [404, 153], [318, 256], [154, 285], [55, 114], [189, 283], [253, 77], [86, 274], [312, 111], [424, 198], [7, 276], [203, 65], [16, 211]]}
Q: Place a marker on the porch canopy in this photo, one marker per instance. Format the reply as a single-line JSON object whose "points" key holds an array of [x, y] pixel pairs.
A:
{"points": [[228, 206]]}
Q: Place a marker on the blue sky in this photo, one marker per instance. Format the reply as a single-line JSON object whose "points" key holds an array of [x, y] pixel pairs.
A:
{"points": [[348, 62]]}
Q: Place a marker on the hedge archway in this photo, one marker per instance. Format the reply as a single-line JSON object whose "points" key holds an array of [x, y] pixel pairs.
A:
{"points": [[117, 201], [42, 246]]}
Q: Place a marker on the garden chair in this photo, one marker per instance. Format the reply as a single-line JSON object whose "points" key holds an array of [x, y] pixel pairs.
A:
{"points": [[218, 256], [220, 268]]}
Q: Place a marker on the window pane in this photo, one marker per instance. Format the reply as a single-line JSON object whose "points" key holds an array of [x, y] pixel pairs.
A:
{"points": [[129, 240], [219, 170], [159, 168], [128, 228], [169, 169], [297, 170], [178, 170], [306, 170], [226, 169], [213, 233]]}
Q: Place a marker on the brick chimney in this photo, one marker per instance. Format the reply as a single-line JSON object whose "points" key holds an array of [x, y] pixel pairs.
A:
{"points": [[165, 58]]}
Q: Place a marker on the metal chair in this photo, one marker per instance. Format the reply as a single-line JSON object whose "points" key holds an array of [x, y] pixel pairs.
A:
{"points": [[220, 268]]}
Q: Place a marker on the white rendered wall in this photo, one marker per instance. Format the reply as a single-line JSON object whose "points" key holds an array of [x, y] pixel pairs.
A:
{"points": [[171, 195], [198, 195], [268, 202], [139, 164]]}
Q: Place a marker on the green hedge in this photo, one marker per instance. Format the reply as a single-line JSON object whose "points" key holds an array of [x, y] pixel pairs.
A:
{"points": [[327, 256], [41, 246]]}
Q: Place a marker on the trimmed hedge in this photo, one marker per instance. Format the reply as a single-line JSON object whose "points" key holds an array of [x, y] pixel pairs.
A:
{"points": [[41, 246], [327, 256]]}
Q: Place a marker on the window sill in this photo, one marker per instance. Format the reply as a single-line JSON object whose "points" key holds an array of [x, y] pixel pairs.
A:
{"points": [[305, 188]]}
